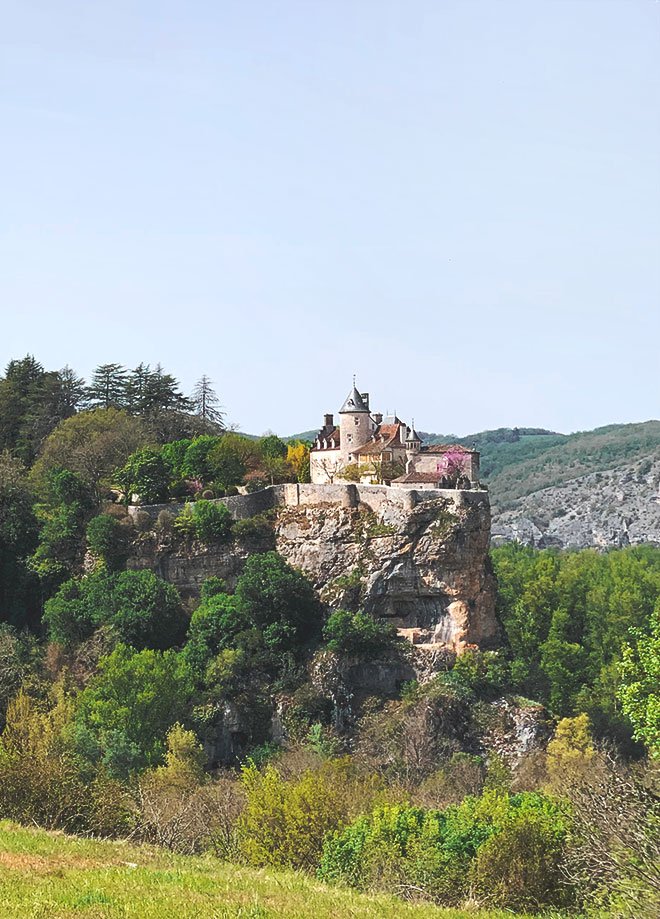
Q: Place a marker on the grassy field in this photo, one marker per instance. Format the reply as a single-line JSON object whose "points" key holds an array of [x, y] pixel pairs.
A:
{"points": [[50, 875]]}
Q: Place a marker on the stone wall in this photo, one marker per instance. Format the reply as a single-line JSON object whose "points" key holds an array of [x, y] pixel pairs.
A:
{"points": [[376, 497]]}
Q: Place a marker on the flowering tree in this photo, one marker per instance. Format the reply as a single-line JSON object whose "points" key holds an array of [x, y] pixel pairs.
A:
{"points": [[454, 465]]}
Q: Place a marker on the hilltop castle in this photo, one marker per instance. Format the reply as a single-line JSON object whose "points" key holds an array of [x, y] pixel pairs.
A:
{"points": [[366, 447]]}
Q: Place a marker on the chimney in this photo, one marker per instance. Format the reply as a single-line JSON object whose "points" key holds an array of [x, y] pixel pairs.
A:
{"points": [[365, 399], [378, 418], [328, 421]]}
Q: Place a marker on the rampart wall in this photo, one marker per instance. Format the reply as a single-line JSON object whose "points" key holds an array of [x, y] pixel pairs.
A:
{"points": [[376, 497]]}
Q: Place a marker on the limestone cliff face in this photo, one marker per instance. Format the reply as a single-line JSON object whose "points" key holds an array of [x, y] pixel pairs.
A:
{"points": [[424, 567], [419, 560]]}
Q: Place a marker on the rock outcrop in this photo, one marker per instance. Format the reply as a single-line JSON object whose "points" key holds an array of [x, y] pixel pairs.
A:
{"points": [[612, 509], [418, 560], [424, 567]]}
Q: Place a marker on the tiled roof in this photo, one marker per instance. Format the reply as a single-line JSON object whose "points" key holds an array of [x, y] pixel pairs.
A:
{"points": [[386, 438], [412, 477], [446, 448]]}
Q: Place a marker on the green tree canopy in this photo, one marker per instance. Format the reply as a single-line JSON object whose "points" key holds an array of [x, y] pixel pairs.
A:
{"points": [[143, 610], [123, 716]]}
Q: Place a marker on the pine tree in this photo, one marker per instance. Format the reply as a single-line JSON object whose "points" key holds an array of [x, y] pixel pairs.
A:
{"points": [[136, 388], [206, 403], [162, 394], [108, 388]]}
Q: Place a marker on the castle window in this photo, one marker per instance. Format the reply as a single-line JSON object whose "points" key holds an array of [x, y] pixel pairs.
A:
{"points": [[356, 420], [349, 438]]}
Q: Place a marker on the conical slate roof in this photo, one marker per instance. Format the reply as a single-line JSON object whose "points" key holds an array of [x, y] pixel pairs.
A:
{"points": [[414, 436], [353, 403]]}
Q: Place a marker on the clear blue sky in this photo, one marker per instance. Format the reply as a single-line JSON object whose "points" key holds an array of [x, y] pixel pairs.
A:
{"points": [[459, 200]]}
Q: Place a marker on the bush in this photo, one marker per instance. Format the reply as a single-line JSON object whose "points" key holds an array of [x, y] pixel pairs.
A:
{"points": [[259, 527], [106, 538], [165, 521], [358, 633], [123, 715], [507, 847], [285, 823], [40, 777], [484, 674], [212, 521], [205, 520]]}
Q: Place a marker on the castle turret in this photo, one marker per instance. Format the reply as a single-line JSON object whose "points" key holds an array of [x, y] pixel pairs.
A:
{"points": [[413, 440], [355, 424]]}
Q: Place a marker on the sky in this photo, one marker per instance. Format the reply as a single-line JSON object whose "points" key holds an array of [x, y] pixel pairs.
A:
{"points": [[456, 200]]}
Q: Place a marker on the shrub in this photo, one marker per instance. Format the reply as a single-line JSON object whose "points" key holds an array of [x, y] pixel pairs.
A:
{"points": [[285, 823], [205, 520], [520, 867], [106, 538], [484, 674], [165, 521], [358, 633], [259, 527], [40, 777], [487, 843], [212, 521]]}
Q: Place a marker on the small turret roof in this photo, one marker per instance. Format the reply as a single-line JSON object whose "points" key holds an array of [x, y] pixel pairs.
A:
{"points": [[413, 436], [353, 403]]}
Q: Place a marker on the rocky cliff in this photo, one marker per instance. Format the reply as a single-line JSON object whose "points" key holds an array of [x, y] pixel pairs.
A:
{"points": [[421, 564], [608, 509]]}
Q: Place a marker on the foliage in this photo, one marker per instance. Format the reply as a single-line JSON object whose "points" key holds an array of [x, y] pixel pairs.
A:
{"points": [[278, 600], [143, 610], [212, 521], [568, 617], [205, 402], [67, 503], [258, 528], [285, 822], [297, 458], [483, 674], [614, 855], [40, 778], [18, 538], [146, 473], [358, 633], [91, 444], [106, 538], [196, 462], [206, 521], [440, 854], [640, 688], [122, 717]]}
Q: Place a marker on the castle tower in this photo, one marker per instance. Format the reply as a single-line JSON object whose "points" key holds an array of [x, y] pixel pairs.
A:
{"points": [[413, 440], [355, 424]]}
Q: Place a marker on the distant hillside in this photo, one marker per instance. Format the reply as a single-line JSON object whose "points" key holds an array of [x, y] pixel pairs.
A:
{"points": [[569, 458]]}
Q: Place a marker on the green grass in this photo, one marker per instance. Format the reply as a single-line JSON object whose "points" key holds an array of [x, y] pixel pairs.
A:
{"points": [[50, 875]]}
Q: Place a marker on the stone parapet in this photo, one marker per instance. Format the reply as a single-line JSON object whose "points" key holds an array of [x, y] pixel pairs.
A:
{"points": [[376, 497]]}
